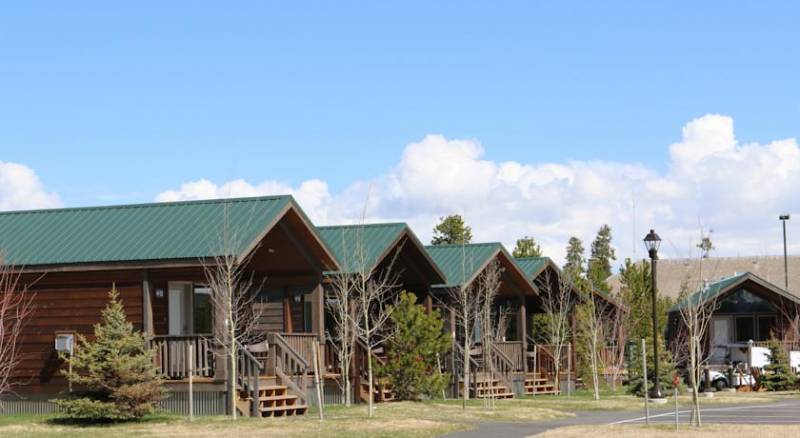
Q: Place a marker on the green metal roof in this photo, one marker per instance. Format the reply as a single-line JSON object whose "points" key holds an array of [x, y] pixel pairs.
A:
{"points": [[706, 293], [360, 247], [157, 231], [461, 263], [532, 266], [724, 285]]}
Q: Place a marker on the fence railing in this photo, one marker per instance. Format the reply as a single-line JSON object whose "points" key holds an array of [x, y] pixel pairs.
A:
{"points": [[290, 367], [502, 365], [172, 355], [513, 351], [331, 361], [787, 345], [302, 343]]}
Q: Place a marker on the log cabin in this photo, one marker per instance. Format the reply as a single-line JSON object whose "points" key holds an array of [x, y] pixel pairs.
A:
{"points": [[154, 254], [544, 273], [463, 266], [390, 249], [745, 312]]}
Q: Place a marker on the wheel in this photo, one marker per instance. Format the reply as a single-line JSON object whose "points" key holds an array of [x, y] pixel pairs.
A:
{"points": [[720, 384]]}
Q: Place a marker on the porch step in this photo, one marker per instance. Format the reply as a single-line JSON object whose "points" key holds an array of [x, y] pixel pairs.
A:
{"points": [[485, 387], [284, 411], [539, 385], [277, 401], [383, 392]]}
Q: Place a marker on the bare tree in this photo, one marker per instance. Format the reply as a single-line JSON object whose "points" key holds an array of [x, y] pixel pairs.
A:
{"points": [[339, 301], [594, 336], [233, 299], [557, 294], [16, 307], [614, 336], [695, 310], [464, 304], [372, 297], [487, 288], [602, 324]]}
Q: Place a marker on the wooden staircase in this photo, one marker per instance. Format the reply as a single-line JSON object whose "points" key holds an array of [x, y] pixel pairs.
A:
{"points": [[535, 384], [382, 389], [278, 395], [276, 401], [487, 387]]}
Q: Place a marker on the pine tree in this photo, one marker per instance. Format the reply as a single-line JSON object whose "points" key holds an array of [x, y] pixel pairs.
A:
{"points": [[575, 260], [602, 256], [527, 247], [637, 295], [666, 368], [115, 374], [412, 351], [778, 375], [451, 230]]}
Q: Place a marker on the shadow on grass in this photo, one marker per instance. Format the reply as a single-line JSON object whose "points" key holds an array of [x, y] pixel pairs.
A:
{"points": [[100, 423]]}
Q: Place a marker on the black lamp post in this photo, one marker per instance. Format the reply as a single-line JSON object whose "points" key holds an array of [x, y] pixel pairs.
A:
{"points": [[652, 242], [783, 218]]}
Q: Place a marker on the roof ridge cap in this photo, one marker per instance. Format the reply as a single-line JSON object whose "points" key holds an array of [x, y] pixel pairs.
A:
{"points": [[144, 205]]}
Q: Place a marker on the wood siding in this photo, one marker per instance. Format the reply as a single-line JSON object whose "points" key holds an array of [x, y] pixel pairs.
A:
{"points": [[67, 304]]}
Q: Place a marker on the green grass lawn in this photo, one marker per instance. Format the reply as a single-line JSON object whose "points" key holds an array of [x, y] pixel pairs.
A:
{"points": [[415, 419]]}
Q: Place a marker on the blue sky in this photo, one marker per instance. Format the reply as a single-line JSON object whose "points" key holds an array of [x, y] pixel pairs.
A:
{"points": [[113, 103]]}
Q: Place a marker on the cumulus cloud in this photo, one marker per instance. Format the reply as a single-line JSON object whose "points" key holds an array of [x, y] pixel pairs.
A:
{"points": [[21, 189], [311, 194], [711, 178]]}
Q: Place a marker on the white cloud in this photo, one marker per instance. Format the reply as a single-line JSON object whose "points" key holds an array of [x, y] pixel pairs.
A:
{"points": [[21, 189], [736, 189], [311, 194]]}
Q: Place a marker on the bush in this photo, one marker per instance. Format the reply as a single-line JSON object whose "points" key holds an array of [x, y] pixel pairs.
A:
{"points": [[115, 374], [412, 352], [778, 375]]}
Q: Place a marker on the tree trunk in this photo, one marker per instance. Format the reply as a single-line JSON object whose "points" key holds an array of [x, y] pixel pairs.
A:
{"points": [[465, 389], [232, 381], [233, 371], [595, 374]]}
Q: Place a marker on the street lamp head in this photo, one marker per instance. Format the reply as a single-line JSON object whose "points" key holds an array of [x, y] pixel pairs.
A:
{"points": [[784, 217], [652, 242]]}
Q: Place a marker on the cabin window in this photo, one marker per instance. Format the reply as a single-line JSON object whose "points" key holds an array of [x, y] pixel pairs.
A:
{"points": [[202, 310], [766, 325], [745, 328]]}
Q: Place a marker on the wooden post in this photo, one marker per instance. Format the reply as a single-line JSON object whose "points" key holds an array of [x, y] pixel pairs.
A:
{"points": [[147, 307], [190, 360], [320, 401], [287, 312], [569, 369], [536, 374], [523, 332]]}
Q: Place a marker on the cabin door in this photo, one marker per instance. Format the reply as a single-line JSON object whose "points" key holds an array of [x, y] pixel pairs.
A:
{"points": [[721, 336], [180, 308]]}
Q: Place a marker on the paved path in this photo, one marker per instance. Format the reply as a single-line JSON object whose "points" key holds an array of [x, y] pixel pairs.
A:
{"points": [[783, 412]]}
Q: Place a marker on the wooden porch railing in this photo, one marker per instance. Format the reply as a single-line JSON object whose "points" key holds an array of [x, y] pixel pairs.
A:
{"points": [[302, 343], [502, 366], [787, 345], [248, 373], [513, 351], [331, 355], [172, 355], [543, 361], [290, 367]]}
